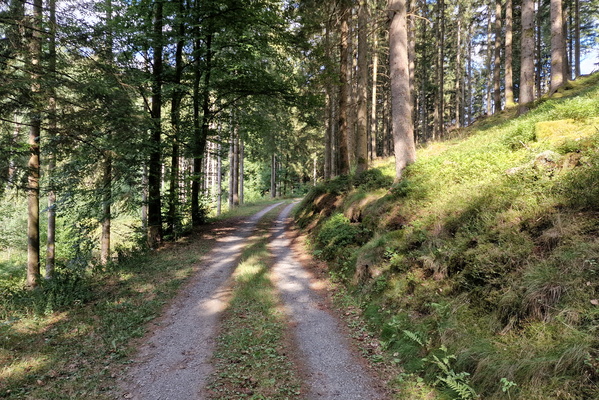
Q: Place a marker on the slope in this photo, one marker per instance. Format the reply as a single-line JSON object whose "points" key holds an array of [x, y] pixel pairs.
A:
{"points": [[480, 270]]}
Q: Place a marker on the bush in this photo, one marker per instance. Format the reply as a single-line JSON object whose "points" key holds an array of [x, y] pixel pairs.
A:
{"points": [[337, 236]]}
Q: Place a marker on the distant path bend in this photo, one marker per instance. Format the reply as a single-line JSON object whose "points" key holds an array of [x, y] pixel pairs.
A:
{"points": [[174, 363], [334, 372]]}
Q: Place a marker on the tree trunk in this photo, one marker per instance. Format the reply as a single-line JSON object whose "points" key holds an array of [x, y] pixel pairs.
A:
{"points": [[362, 121], [489, 59], [458, 72], [219, 174], [52, 127], [107, 165], [328, 139], [235, 168], [558, 47], [401, 104], [173, 204], [231, 165], [373, 115], [527, 67], [273, 176], [241, 171], [33, 190], [155, 165], [497, 59], [343, 132], [509, 70], [439, 115], [538, 50], [576, 38]]}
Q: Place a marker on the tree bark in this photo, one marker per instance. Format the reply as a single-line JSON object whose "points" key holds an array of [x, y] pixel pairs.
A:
{"points": [[33, 189], [241, 170], [527, 67], [173, 204], [343, 132], [362, 121], [497, 60], [439, 114], [273, 176], [373, 109], [52, 127], [107, 164], [401, 103], [558, 47], [509, 70], [155, 165], [576, 38]]}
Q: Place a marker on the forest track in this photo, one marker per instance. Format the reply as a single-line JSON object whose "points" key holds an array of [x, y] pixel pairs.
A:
{"points": [[174, 362]]}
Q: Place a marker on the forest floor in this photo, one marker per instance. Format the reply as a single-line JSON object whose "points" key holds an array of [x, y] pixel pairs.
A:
{"points": [[256, 281]]}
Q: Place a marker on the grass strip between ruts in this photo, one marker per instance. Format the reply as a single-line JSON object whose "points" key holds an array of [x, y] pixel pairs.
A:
{"points": [[251, 360]]}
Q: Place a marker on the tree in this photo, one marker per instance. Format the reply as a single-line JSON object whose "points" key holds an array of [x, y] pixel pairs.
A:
{"points": [[497, 59], [558, 47], [509, 68], [35, 130], [344, 90], [401, 103], [155, 164], [527, 51], [362, 122]]}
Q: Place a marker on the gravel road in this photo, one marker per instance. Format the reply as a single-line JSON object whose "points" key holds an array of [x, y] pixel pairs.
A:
{"points": [[174, 362], [333, 371]]}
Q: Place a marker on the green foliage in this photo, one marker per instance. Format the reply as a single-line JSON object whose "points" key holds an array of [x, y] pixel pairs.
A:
{"points": [[488, 247], [337, 238]]}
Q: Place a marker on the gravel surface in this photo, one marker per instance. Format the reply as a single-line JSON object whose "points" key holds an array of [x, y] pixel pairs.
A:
{"points": [[174, 362], [333, 371]]}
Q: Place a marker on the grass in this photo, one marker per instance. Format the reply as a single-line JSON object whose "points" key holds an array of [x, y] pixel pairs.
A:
{"points": [[488, 248], [72, 337], [252, 360]]}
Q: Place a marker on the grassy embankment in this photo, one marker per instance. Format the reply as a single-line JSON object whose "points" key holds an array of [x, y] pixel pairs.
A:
{"points": [[480, 270], [76, 334]]}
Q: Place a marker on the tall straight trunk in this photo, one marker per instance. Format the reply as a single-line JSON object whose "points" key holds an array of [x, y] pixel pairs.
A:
{"points": [[489, 59], [33, 175], [273, 176], [373, 109], [173, 204], [424, 106], [470, 118], [362, 121], [497, 59], [52, 127], [241, 170], [107, 162], [344, 89], [219, 174], [412, 54], [576, 38], [527, 48], [538, 50], [509, 60], [352, 117], [458, 73], [155, 166], [235, 168], [439, 115], [558, 47], [328, 135], [231, 165], [401, 103]]}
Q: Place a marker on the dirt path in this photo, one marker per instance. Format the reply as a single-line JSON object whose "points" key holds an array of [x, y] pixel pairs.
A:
{"points": [[174, 363], [333, 372]]}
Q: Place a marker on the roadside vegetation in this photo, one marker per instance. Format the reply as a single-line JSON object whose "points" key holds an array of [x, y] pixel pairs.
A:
{"points": [[73, 335], [480, 269]]}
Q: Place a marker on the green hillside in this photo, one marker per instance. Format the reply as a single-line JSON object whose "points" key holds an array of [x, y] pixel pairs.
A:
{"points": [[480, 269]]}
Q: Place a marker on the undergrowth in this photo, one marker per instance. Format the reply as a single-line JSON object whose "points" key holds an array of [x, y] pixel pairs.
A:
{"points": [[480, 268]]}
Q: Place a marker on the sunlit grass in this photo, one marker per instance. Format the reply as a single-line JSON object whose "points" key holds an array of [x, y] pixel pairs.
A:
{"points": [[488, 247]]}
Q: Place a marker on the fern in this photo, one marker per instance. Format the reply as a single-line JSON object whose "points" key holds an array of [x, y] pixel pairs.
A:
{"points": [[414, 337]]}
